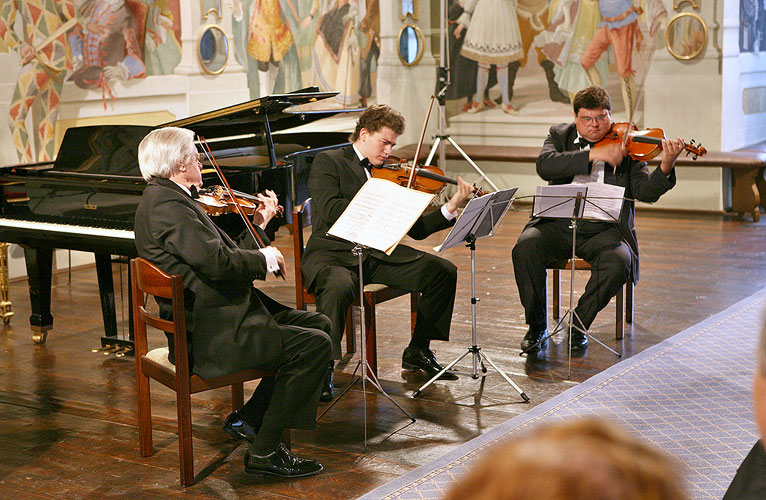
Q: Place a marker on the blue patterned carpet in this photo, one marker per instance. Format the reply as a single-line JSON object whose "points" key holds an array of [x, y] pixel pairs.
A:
{"points": [[689, 395]]}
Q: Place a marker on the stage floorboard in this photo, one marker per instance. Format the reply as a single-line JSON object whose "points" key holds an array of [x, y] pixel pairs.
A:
{"points": [[68, 415]]}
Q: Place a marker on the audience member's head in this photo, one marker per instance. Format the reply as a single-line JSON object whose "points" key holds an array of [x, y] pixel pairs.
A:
{"points": [[759, 387], [581, 460]]}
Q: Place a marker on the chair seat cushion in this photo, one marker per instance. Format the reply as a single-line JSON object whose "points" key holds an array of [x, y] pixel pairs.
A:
{"points": [[160, 356], [374, 287]]}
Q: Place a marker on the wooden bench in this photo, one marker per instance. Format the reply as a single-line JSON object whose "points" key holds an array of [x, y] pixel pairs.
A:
{"points": [[747, 166]]}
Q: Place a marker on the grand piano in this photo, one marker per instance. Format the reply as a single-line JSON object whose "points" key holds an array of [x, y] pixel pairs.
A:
{"points": [[86, 199]]}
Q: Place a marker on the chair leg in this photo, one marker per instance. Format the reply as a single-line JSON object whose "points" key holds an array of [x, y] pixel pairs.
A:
{"points": [[370, 337], [237, 396], [144, 413], [619, 326], [629, 302], [556, 294], [350, 331], [185, 452], [414, 297]]}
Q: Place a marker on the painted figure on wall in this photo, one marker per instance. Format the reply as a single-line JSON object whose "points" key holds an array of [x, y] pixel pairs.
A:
{"points": [[105, 47], [336, 50], [491, 37], [162, 48], [581, 31], [369, 30], [42, 48], [265, 45]]}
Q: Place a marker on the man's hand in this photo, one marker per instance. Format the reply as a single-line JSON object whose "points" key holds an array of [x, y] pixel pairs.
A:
{"points": [[611, 153], [267, 208], [27, 53], [281, 262], [671, 148], [462, 195]]}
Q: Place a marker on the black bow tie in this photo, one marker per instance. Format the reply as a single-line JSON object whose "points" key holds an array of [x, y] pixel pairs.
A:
{"points": [[193, 192], [365, 163], [584, 144]]}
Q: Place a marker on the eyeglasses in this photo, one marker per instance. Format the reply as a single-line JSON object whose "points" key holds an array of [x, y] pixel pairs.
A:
{"points": [[588, 119], [200, 157]]}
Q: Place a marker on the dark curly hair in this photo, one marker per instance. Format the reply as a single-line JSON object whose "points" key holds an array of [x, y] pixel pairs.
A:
{"points": [[375, 118]]}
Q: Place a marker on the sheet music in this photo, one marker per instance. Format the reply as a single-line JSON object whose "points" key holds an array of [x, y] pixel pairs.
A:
{"points": [[380, 215], [603, 202]]}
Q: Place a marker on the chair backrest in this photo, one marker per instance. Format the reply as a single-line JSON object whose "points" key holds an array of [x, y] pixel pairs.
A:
{"points": [[301, 220], [148, 279]]}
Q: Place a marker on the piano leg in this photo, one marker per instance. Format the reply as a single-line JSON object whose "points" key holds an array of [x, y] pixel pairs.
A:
{"points": [[39, 268], [5, 300], [106, 287]]}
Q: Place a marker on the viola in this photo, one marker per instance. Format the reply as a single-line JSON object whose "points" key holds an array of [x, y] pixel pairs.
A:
{"points": [[643, 145], [215, 200], [428, 178]]}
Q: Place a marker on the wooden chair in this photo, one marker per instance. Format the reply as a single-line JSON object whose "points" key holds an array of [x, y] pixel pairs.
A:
{"points": [[373, 293], [624, 296], [148, 279]]}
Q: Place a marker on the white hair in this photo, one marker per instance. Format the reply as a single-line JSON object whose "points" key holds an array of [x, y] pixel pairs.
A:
{"points": [[163, 150]]}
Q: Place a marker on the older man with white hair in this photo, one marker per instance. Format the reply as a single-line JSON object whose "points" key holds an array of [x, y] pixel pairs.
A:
{"points": [[232, 325], [750, 481]]}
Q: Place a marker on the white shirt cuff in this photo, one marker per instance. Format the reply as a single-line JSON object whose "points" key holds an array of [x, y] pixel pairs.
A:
{"points": [[447, 214], [271, 259]]}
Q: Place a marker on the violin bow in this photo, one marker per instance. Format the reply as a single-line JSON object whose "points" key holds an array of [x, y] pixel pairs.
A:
{"points": [[249, 225], [420, 143], [646, 63]]}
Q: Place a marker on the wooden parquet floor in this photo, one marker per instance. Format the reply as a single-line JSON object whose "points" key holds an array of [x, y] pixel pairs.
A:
{"points": [[68, 415]]}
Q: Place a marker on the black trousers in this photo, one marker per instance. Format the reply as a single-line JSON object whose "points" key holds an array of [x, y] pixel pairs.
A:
{"points": [[290, 399], [550, 241], [435, 278]]}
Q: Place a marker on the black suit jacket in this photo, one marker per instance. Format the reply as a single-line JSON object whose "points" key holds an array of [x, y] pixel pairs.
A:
{"points": [[335, 178], [560, 159], [230, 322]]}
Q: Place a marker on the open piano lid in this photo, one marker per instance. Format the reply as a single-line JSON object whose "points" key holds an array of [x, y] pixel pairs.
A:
{"points": [[263, 115]]}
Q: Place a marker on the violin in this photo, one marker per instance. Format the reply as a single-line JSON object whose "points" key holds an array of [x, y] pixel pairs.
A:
{"points": [[216, 200], [427, 178], [643, 145]]}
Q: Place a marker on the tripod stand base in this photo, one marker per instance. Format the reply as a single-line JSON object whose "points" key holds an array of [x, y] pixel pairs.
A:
{"points": [[478, 360]]}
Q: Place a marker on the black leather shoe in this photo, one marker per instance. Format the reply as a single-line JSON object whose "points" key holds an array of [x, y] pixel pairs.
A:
{"points": [[238, 428], [416, 358], [579, 341], [282, 463], [531, 341], [328, 385]]}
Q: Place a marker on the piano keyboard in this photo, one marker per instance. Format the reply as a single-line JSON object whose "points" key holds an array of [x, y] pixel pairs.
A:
{"points": [[68, 228]]}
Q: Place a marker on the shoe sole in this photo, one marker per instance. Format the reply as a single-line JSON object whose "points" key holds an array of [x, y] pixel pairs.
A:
{"points": [[259, 473]]}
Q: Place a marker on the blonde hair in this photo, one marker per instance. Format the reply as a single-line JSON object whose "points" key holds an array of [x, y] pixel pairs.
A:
{"points": [[587, 459], [163, 150]]}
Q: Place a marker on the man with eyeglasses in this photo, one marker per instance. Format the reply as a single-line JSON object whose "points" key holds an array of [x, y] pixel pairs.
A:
{"points": [[567, 157], [330, 268], [232, 325]]}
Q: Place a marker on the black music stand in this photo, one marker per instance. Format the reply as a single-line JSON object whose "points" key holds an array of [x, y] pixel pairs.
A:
{"points": [[572, 202], [480, 218]]}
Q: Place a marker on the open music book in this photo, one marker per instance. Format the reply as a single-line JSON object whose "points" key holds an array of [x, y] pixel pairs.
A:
{"points": [[380, 215]]}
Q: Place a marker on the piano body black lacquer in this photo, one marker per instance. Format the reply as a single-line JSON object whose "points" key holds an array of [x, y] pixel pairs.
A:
{"points": [[86, 200]]}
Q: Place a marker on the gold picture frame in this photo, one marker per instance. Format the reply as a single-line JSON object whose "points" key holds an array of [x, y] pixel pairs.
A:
{"points": [[686, 35], [410, 45], [212, 49]]}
